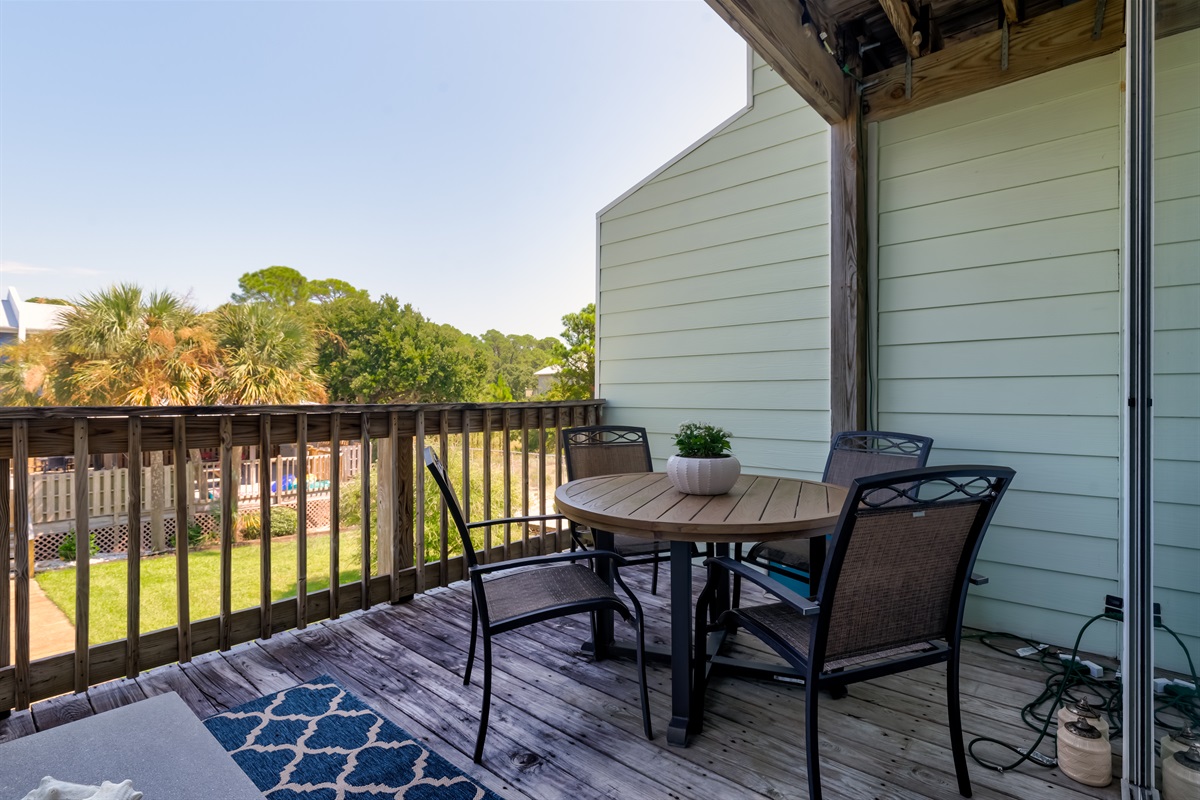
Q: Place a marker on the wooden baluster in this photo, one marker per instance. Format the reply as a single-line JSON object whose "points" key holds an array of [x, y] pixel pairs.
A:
{"points": [[558, 474], [335, 529], [182, 490], [507, 483], [133, 548], [365, 511], [419, 554], [83, 555], [466, 482], [487, 483], [264, 523], [6, 543], [542, 477], [443, 541], [302, 521], [228, 508], [404, 547], [393, 504], [21, 565], [525, 481]]}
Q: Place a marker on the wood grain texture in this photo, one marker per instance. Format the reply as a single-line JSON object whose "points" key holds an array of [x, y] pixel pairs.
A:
{"points": [[775, 32], [6, 540], [265, 446], [1037, 45], [228, 503], [301, 519], [22, 569], [903, 22], [83, 554], [848, 318], [335, 515], [556, 708], [182, 518], [133, 553]]}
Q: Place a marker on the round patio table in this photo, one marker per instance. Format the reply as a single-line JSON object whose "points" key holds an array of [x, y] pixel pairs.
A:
{"points": [[758, 508]]}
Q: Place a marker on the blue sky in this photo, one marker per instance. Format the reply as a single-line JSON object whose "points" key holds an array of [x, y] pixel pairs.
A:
{"points": [[452, 154]]}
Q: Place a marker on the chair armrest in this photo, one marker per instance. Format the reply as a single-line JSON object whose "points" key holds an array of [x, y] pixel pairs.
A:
{"points": [[797, 601], [514, 520], [977, 579], [553, 558]]}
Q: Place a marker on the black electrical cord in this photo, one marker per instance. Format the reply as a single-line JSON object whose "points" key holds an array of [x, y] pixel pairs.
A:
{"points": [[1105, 695], [1068, 667]]}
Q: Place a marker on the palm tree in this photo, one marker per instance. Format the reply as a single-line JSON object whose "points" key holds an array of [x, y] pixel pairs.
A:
{"points": [[121, 346], [25, 371], [266, 356]]}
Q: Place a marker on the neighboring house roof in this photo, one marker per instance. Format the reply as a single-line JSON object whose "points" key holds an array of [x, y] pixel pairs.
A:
{"points": [[23, 318], [549, 371]]}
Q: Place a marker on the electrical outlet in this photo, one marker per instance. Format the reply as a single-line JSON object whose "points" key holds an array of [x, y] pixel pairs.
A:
{"points": [[1094, 669]]}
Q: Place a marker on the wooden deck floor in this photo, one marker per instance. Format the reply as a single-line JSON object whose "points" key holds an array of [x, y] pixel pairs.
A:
{"points": [[565, 726]]}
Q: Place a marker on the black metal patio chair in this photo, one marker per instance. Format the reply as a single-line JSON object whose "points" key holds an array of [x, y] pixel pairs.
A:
{"points": [[891, 596], [853, 454], [613, 450], [511, 594]]}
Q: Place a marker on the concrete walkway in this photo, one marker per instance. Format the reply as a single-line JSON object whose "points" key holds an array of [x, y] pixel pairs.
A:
{"points": [[50, 632]]}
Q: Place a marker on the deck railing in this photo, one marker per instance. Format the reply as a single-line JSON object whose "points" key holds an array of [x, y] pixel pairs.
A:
{"points": [[504, 455]]}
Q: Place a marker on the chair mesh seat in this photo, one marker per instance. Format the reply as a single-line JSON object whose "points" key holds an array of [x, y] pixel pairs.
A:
{"points": [[782, 620], [789, 552], [518, 593]]}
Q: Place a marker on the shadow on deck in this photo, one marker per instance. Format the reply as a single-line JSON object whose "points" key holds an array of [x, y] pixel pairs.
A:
{"points": [[565, 726]]}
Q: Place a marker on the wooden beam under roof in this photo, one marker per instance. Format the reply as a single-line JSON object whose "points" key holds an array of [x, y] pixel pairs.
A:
{"points": [[1011, 11], [904, 23], [774, 29], [1037, 45]]}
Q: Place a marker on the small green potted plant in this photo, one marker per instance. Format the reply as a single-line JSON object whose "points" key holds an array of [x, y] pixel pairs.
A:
{"points": [[703, 465]]}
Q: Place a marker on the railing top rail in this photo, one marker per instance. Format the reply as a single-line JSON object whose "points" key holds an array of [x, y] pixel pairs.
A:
{"points": [[51, 431], [8, 413]]}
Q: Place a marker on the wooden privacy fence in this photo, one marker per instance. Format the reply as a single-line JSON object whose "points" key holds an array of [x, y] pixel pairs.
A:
{"points": [[52, 494], [393, 434]]}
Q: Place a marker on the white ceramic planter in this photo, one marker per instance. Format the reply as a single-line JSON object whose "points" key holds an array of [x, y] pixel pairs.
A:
{"points": [[703, 475]]}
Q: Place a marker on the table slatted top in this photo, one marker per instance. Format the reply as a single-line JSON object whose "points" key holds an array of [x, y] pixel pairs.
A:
{"points": [[758, 508]]}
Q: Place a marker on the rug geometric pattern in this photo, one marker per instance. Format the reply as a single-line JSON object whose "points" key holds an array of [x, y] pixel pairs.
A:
{"points": [[317, 741]]}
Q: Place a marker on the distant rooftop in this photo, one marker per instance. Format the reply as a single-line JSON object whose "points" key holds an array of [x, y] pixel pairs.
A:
{"points": [[22, 318]]}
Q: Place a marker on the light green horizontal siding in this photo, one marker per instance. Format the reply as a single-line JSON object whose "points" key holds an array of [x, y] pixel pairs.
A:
{"points": [[713, 299], [998, 321], [1177, 343], [998, 324]]}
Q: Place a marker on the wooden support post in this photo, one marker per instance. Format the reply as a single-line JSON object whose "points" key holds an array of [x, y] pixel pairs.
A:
{"points": [[21, 566], [228, 509], [83, 555], [301, 521], [394, 500], [133, 550], [6, 546], [487, 483], [402, 519], [365, 478], [182, 490], [466, 481], [419, 550], [848, 275], [335, 501], [264, 523], [385, 494]]}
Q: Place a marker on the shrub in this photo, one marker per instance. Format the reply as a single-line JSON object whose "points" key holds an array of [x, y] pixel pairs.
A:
{"points": [[195, 535], [66, 550], [284, 522]]}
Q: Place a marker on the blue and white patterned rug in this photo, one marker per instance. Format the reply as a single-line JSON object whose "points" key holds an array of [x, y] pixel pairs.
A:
{"points": [[317, 741]]}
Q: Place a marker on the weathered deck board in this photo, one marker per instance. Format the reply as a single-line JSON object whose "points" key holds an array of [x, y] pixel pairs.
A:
{"points": [[565, 725]]}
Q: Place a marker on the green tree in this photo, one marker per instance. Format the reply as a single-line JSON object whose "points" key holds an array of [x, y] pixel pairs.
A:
{"points": [[121, 346], [281, 286], [265, 356], [516, 357], [577, 356], [378, 352]]}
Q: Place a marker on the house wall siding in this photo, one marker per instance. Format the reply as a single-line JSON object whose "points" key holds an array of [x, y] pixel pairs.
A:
{"points": [[713, 296], [998, 328]]}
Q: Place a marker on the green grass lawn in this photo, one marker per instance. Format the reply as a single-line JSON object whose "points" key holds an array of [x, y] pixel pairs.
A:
{"points": [[108, 582]]}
